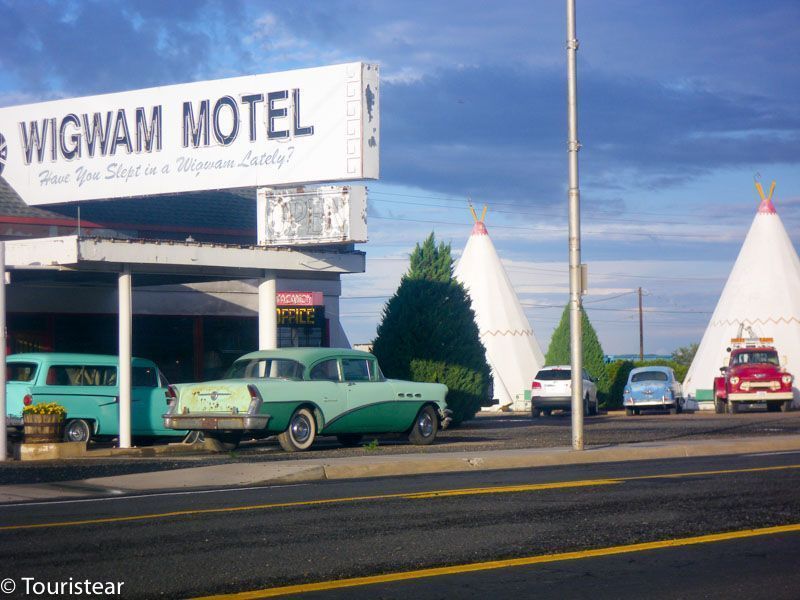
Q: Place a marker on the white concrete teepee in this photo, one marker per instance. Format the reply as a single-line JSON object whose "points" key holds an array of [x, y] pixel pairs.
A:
{"points": [[511, 347], [763, 292]]}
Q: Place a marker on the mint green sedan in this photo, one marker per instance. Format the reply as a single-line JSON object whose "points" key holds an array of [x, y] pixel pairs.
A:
{"points": [[300, 393]]}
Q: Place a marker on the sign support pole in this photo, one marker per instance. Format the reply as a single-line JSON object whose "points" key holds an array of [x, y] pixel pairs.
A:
{"points": [[4, 434], [575, 287], [268, 312], [125, 374]]}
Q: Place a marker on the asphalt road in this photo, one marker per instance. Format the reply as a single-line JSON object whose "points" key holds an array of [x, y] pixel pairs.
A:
{"points": [[199, 543], [487, 432]]}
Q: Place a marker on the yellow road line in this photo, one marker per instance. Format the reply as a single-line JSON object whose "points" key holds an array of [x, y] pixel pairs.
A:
{"points": [[512, 488], [501, 564], [408, 495]]}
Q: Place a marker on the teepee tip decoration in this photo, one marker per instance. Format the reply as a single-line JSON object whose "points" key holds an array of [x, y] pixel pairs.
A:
{"points": [[766, 205], [479, 228]]}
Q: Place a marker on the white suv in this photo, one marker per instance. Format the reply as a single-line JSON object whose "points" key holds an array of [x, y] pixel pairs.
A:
{"points": [[552, 390]]}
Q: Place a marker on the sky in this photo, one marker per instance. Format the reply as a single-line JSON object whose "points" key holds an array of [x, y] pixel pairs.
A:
{"points": [[682, 105]]}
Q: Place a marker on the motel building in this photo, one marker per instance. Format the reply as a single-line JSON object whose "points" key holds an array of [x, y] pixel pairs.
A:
{"points": [[188, 224]]}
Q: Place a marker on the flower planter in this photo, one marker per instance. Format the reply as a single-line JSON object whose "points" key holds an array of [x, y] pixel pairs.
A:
{"points": [[42, 429]]}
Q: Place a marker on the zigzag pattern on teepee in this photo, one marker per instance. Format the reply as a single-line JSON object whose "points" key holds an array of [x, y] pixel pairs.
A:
{"points": [[497, 332], [769, 320]]}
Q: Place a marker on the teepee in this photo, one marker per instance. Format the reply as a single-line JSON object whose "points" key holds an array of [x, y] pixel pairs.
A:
{"points": [[511, 347], [762, 292]]}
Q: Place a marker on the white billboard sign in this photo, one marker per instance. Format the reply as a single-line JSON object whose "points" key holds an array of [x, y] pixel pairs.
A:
{"points": [[324, 215], [294, 127]]}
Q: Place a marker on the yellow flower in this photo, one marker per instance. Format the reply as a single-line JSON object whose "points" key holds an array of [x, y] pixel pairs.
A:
{"points": [[49, 408]]}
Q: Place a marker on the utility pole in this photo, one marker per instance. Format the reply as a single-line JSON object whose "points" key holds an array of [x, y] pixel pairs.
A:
{"points": [[574, 196], [641, 328]]}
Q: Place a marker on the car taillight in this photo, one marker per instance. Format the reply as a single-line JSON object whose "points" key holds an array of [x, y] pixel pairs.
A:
{"points": [[27, 400], [171, 394], [255, 399], [787, 379], [536, 385]]}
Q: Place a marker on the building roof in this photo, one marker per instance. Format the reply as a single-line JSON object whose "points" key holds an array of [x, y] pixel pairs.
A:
{"points": [[221, 211]]}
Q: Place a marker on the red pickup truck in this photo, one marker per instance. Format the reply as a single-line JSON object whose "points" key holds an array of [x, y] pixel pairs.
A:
{"points": [[753, 375]]}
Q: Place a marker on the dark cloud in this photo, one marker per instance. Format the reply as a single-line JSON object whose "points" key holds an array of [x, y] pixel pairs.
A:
{"points": [[102, 46], [490, 129]]}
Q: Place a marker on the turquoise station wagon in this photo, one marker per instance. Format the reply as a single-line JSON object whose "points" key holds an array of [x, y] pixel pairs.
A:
{"points": [[86, 385], [299, 393]]}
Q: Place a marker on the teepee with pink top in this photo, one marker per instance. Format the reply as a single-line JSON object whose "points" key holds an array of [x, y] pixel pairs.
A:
{"points": [[511, 347], [762, 292]]}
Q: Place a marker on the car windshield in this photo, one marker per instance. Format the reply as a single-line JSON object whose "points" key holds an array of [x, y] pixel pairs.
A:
{"points": [[20, 371], [649, 376], [554, 375], [265, 368], [768, 357]]}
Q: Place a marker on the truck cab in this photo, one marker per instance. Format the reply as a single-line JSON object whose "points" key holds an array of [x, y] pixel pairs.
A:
{"points": [[753, 375]]}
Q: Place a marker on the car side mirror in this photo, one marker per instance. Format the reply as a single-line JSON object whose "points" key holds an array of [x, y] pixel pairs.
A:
{"points": [[727, 349], [723, 370]]}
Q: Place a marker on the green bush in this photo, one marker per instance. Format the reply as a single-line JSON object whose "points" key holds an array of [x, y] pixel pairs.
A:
{"points": [[618, 372], [593, 358], [428, 332]]}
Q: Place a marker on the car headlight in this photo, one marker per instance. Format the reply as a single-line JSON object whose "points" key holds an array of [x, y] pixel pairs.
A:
{"points": [[787, 379], [734, 380]]}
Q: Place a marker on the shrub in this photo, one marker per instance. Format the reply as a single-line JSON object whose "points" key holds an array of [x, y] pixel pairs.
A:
{"points": [[593, 358], [428, 332]]}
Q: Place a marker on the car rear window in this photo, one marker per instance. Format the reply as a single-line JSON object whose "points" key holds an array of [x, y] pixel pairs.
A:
{"points": [[265, 368], [649, 376], [91, 375], [20, 371], [554, 375], [144, 377]]}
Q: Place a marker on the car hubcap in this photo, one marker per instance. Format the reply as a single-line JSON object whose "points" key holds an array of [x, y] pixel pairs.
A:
{"points": [[75, 434], [425, 425], [300, 429]]}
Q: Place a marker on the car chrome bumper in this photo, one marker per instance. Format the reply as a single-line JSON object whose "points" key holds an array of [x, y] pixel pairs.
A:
{"points": [[760, 397], [648, 402], [216, 422]]}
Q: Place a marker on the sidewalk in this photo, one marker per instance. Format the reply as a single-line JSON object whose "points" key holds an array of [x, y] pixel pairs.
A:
{"points": [[279, 472]]}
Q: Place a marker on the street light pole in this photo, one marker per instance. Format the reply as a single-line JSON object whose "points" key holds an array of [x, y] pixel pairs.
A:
{"points": [[575, 286]]}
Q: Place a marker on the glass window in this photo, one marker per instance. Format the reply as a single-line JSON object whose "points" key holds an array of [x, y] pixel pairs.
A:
{"points": [[357, 369], [88, 375], [763, 357], [649, 376], [144, 377], [19, 371], [327, 370], [554, 375], [265, 368]]}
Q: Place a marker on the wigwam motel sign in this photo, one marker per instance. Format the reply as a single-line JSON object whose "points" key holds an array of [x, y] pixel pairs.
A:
{"points": [[294, 127]]}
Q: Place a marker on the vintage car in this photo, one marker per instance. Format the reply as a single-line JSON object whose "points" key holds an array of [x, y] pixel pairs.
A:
{"points": [[86, 385], [651, 388], [754, 375], [299, 393]]}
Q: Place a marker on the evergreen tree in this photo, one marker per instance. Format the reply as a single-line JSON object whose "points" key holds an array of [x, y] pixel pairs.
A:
{"points": [[428, 332], [593, 357]]}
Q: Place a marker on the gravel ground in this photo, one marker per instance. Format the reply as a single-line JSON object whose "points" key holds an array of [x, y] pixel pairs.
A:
{"points": [[486, 432]]}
